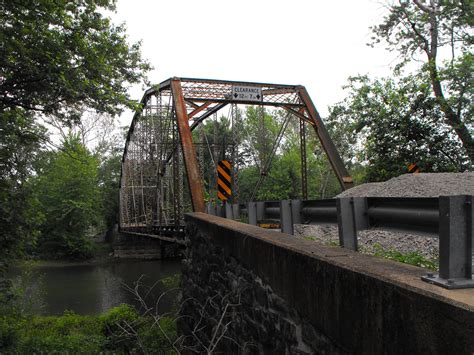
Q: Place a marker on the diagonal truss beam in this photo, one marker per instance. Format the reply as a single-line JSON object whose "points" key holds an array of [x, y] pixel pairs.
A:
{"points": [[198, 109], [345, 180], [189, 152]]}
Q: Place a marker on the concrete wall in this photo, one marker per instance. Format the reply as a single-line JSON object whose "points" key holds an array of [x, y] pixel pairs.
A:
{"points": [[288, 295]]}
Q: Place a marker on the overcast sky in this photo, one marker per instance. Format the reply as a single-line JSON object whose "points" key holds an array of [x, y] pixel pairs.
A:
{"points": [[318, 44]]}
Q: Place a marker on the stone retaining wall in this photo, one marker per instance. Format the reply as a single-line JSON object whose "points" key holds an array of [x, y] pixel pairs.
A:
{"points": [[248, 290]]}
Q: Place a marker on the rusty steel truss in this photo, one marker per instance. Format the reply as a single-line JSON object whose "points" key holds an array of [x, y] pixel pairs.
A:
{"points": [[160, 164]]}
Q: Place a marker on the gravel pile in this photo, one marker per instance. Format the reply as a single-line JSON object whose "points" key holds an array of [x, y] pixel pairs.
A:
{"points": [[408, 185], [417, 185]]}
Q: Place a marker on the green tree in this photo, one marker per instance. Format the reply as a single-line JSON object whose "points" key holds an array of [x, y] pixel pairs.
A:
{"points": [[394, 122], [426, 28], [69, 199], [60, 56], [283, 180], [19, 148], [56, 58], [109, 185]]}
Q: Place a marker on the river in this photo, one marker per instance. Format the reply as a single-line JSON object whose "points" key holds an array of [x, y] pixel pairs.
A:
{"points": [[90, 289]]}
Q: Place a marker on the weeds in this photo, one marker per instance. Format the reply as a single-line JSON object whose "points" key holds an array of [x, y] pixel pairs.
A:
{"points": [[412, 258]]}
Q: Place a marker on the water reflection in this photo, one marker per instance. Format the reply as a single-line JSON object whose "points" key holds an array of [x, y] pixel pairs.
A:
{"points": [[93, 289]]}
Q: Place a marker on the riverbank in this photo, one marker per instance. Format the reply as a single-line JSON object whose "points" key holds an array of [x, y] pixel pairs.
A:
{"points": [[120, 330], [103, 253]]}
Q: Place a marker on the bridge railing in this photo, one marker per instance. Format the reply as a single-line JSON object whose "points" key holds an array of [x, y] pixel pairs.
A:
{"points": [[449, 217]]}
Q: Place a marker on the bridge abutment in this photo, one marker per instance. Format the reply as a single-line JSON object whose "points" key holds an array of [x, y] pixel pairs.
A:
{"points": [[129, 245]]}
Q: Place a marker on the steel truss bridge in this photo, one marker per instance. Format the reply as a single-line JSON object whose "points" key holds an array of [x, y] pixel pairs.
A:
{"points": [[162, 165]]}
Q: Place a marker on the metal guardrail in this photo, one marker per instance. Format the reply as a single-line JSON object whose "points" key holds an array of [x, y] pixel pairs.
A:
{"points": [[449, 217]]}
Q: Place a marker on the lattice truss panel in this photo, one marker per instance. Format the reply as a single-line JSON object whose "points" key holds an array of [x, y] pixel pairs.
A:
{"points": [[210, 90], [152, 169]]}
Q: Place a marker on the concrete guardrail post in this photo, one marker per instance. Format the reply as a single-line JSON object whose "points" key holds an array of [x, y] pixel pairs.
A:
{"points": [[456, 233]]}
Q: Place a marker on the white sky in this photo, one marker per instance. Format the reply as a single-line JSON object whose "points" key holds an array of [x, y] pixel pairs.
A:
{"points": [[318, 44]]}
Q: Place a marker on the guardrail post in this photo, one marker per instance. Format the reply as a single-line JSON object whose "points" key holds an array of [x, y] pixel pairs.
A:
{"points": [[456, 231], [290, 214], [252, 213], [296, 211], [210, 209], [286, 217], [260, 210], [351, 217], [219, 210], [228, 211], [360, 213], [235, 211]]}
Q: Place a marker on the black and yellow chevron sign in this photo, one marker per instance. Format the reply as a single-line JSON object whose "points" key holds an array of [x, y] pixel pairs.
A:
{"points": [[224, 179], [413, 168]]}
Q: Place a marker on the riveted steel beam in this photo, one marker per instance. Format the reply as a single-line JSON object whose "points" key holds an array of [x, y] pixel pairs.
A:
{"points": [[345, 180], [189, 152], [198, 109]]}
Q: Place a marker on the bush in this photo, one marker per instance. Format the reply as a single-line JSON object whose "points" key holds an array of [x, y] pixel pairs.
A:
{"points": [[120, 330]]}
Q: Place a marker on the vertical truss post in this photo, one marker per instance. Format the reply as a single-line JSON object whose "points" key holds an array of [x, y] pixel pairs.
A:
{"points": [[235, 152], [345, 180], [304, 169], [456, 231], [177, 189], [189, 152]]}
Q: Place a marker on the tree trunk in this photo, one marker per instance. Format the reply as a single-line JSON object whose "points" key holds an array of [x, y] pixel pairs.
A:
{"points": [[452, 118]]}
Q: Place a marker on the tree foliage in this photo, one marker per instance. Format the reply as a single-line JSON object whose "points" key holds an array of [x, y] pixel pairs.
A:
{"points": [[69, 200], [57, 59], [255, 133], [395, 122], [60, 56], [19, 148], [427, 28]]}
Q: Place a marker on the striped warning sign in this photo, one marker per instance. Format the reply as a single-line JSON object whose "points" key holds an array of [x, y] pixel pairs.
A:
{"points": [[224, 180], [413, 168]]}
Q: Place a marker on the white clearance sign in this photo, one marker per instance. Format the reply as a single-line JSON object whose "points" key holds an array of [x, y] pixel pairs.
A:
{"points": [[247, 93]]}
